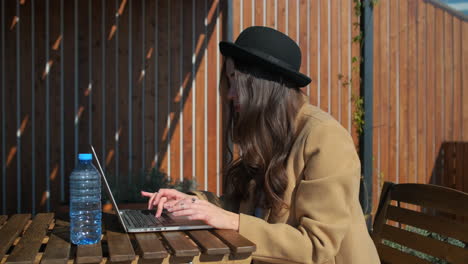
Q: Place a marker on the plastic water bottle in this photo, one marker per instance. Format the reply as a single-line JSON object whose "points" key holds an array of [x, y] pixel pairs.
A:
{"points": [[85, 202]]}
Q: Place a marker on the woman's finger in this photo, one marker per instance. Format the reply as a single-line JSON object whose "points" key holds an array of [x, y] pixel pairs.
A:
{"points": [[160, 206], [161, 193], [146, 194], [151, 200]]}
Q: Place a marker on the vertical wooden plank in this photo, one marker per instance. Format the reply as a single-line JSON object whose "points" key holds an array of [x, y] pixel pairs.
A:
{"points": [[211, 96], [258, 13], [376, 108], [334, 56], [270, 13], [40, 101], [97, 88], [163, 82], [402, 116], [247, 14], [345, 43], [123, 75], [200, 92], [385, 95], [111, 90], [188, 90], [430, 105], [324, 52], [464, 67], [449, 162], [175, 96], [83, 77], [150, 80], [292, 20], [2, 107], [459, 166], [138, 84], [439, 88], [314, 50], [69, 96], [457, 84], [412, 94], [25, 130], [280, 22], [236, 15], [303, 40], [465, 170], [394, 38], [448, 78], [54, 103], [422, 92], [222, 22], [10, 104]]}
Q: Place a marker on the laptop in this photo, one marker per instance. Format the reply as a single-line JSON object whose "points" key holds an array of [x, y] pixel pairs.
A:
{"points": [[136, 221]]}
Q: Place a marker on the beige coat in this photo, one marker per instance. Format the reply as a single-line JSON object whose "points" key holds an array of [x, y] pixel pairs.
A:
{"points": [[325, 223]]}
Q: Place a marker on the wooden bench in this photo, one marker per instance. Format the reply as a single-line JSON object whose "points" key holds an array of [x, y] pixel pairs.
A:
{"points": [[408, 212], [47, 240]]}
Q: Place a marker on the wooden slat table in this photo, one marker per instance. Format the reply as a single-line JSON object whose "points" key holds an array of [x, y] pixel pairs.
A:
{"points": [[45, 239]]}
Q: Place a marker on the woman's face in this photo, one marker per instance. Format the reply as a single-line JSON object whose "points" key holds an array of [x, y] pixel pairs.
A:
{"points": [[232, 93]]}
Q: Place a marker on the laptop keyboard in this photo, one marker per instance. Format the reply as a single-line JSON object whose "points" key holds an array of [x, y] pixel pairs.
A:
{"points": [[146, 218]]}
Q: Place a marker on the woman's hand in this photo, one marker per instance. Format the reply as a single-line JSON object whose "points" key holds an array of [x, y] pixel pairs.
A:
{"points": [[164, 198], [207, 212]]}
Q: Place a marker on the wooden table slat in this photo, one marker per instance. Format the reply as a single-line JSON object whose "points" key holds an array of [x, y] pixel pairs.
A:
{"points": [[209, 243], [11, 230], [237, 243], [120, 247], [150, 245], [89, 253], [28, 247], [3, 219], [180, 245], [58, 247]]}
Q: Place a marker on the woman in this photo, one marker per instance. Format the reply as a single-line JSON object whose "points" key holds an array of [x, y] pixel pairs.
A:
{"points": [[293, 190]]}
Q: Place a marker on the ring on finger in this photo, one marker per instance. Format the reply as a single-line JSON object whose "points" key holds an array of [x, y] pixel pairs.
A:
{"points": [[194, 199]]}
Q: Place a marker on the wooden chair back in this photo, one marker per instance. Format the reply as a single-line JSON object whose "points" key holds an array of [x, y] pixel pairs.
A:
{"points": [[405, 209]]}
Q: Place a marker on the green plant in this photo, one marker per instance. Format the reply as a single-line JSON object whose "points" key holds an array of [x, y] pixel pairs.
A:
{"points": [[422, 255], [358, 114], [356, 61], [151, 181]]}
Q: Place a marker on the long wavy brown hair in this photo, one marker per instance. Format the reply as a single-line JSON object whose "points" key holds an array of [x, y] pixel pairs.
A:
{"points": [[263, 130]]}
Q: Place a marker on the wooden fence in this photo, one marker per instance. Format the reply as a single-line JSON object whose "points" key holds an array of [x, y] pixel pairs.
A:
{"points": [[420, 94], [138, 80], [324, 31]]}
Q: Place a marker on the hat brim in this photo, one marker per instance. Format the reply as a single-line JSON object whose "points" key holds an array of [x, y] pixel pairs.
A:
{"points": [[229, 49]]}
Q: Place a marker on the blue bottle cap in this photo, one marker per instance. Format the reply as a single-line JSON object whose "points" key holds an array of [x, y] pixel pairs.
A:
{"points": [[85, 156]]}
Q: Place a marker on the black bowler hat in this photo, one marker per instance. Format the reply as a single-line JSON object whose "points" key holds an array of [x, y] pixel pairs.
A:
{"points": [[270, 49]]}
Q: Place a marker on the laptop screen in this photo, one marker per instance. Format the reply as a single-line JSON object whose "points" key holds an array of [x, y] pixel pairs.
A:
{"points": [[106, 184]]}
